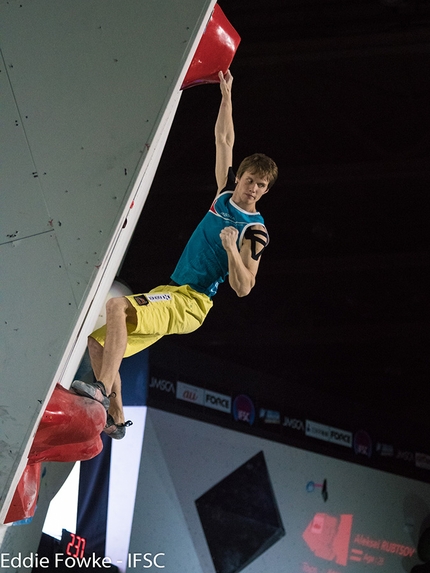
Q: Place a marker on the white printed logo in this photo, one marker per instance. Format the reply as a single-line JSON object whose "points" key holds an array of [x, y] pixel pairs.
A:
{"points": [[328, 434], [294, 424], [163, 385], [160, 297], [318, 431]]}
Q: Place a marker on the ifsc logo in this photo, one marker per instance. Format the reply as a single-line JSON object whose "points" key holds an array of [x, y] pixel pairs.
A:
{"points": [[244, 409], [363, 443]]}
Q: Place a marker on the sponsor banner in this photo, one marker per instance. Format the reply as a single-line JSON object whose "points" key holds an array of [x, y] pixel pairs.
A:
{"points": [[202, 397], [422, 461], [341, 437], [292, 425], [318, 431], [244, 409], [385, 450], [217, 401], [363, 443], [295, 424], [328, 434], [405, 456], [269, 416], [189, 393], [162, 385], [160, 388]]}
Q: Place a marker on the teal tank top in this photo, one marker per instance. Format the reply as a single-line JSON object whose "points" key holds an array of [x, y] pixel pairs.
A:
{"points": [[204, 263]]}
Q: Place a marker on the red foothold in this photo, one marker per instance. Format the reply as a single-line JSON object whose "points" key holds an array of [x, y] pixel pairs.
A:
{"points": [[68, 431]]}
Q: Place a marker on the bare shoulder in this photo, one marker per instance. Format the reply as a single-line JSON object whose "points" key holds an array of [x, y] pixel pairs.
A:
{"points": [[257, 229]]}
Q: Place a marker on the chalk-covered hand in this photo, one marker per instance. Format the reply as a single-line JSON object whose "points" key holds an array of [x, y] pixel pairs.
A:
{"points": [[229, 237]]}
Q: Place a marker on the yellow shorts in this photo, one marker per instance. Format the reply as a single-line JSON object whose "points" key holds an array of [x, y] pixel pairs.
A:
{"points": [[163, 310]]}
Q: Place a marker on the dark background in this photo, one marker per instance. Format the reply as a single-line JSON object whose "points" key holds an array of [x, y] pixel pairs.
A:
{"points": [[338, 93]]}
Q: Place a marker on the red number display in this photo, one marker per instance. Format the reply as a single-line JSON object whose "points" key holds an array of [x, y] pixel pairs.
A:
{"points": [[77, 544]]}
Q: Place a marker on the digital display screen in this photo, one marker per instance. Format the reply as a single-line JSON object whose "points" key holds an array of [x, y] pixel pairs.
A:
{"points": [[73, 545], [331, 538]]}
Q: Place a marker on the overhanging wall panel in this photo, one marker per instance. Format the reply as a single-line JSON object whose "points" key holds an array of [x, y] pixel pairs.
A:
{"points": [[33, 328], [90, 79], [18, 219], [93, 86]]}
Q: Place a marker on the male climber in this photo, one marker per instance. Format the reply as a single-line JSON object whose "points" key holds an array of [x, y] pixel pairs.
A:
{"points": [[228, 241]]}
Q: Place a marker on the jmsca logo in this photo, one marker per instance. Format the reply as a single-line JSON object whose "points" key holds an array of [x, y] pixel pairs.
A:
{"points": [[294, 424], [163, 385]]}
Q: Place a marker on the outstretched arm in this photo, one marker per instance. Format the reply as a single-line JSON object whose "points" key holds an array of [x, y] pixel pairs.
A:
{"points": [[224, 132]]}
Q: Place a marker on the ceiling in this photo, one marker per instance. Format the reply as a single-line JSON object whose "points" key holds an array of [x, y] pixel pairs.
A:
{"points": [[338, 93]]}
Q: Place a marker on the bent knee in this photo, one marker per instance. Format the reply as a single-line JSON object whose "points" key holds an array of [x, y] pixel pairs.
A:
{"points": [[120, 307], [117, 304]]}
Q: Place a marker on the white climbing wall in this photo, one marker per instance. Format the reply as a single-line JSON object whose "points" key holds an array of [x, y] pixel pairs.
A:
{"points": [[89, 89]]}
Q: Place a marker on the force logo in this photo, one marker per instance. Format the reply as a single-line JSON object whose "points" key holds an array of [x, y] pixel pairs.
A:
{"points": [[217, 401]]}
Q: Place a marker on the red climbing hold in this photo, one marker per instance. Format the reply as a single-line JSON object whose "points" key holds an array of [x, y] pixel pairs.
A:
{"points": [[69, 431], [214, 53]]}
